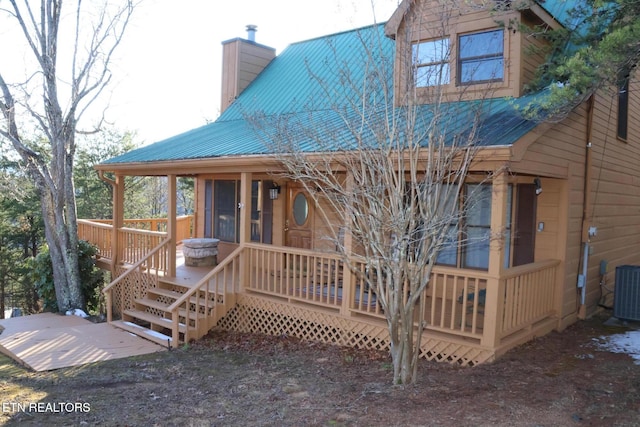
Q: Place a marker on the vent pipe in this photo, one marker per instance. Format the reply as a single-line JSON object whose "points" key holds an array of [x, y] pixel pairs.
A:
{"points": [[251, 32]]}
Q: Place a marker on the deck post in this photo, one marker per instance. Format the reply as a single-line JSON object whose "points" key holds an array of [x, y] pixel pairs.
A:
{"points": [[494, 304], [118, 222], [245, 225], [171, 224]]}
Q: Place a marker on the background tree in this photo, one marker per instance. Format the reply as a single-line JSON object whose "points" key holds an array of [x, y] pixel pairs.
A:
{"points": [[599, 49], [21, 237], [185, 197], [94, 196], [393, 174], [53, 97]]}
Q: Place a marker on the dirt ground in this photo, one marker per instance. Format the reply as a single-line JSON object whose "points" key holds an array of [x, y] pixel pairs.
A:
{"points": [[232, 379]]}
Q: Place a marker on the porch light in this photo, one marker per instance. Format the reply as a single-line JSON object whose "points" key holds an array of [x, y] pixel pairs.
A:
{"points": [[536, 182], [274, 191]]}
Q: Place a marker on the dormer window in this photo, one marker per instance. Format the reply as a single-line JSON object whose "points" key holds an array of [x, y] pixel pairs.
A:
{"points": [[481, 57], [431, 63]]}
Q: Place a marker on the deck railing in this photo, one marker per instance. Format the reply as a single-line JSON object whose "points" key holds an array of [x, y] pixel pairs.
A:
{"points": [[98, 234], [136, 238], [208, 300], [454, 302], [134, 281], [135, 244], [297, 274], [529, 295]]}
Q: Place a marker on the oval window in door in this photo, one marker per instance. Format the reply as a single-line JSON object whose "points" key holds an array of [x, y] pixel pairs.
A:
{"points": [[300, 209]]}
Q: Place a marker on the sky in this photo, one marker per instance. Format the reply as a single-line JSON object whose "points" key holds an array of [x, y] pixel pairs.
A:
{"points": [[167, 71]]}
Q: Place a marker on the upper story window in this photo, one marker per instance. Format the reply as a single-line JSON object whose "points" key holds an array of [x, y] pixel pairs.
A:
{"points": [[431, 63], [481, 57]]}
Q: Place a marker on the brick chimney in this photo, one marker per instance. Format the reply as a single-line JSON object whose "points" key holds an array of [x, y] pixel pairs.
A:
{"points": [[242, 61]]}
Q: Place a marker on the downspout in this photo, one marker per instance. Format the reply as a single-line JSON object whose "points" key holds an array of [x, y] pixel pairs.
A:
{"points": [[109, 181], [586, 231]]}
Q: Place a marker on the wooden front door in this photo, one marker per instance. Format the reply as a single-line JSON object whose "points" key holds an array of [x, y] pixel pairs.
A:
{"points": [[298, 225]]}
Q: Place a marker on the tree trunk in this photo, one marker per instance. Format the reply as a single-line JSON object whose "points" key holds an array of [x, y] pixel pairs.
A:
{"points": [[404, 355], [62, 238]]}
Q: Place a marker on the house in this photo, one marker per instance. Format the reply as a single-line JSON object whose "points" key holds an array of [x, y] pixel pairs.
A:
{"points": [[567, 193]]}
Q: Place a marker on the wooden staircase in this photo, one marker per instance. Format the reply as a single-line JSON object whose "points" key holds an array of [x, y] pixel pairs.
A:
{"points": [[153, 316], [169, 311]]}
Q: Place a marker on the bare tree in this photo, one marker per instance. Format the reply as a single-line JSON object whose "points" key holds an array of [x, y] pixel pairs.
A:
{"points": [[54, 97], [391, 166]]}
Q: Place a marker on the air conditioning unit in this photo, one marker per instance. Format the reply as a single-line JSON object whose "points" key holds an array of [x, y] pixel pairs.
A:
{"points": [[626, 302]]}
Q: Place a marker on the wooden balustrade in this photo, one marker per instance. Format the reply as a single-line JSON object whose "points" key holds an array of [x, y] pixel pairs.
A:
{"points": [[296, 274], [136, 238], [135, 244], [454, 301], [184, 227], [98, 234], [529, 295], [132, 282], [208, 300]]}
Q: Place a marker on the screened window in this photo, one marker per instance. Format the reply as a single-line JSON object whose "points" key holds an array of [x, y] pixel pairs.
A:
{"points": [[481, 57], [467, 243], [431, 63], [225, 215], [226, 197], [449, 253], [477, 226]]}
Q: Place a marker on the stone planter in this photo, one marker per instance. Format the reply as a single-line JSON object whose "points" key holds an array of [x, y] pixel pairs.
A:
{"points": [[200, 252]]}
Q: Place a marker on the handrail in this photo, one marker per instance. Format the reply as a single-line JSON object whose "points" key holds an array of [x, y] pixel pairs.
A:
{"points": [[136, 265], [203, 284], [108, 289], [292, 250], [528, 268], [95, 223], [143, 232], [230, 258]]}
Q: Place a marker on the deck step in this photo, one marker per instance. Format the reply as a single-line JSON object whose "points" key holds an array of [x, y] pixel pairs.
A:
{"points": [[156, 337], [154, 320], [159, 305], [176, 295]]}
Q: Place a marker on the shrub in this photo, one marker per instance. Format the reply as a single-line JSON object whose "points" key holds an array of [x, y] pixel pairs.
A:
{"points": [[91, 278]]}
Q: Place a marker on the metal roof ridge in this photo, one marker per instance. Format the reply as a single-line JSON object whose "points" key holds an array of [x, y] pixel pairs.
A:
{"points": [[326, 36]]}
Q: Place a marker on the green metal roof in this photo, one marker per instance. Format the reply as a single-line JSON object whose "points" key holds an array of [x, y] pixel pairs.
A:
{"points": [[288, 91], [560, 10]]}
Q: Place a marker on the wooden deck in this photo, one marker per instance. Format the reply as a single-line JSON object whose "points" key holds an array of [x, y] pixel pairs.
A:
{"points": [[50, 341], [187, 276]]}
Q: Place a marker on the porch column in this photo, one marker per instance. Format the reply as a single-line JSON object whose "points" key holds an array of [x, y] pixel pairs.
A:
{"points": [[245, 207], [347, 276], [117, 222], [494, 304], [171, 224], [245, 226]]}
